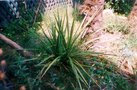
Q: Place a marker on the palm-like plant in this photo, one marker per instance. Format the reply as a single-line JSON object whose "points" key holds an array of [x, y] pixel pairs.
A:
{"points": [[61, 51]]}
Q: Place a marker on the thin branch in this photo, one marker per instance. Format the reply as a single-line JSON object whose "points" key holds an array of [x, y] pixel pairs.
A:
{"points": [[15, 46], [37, 10]]}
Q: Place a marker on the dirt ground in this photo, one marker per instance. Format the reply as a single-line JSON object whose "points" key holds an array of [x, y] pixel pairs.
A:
{"points": [[121, 48]]}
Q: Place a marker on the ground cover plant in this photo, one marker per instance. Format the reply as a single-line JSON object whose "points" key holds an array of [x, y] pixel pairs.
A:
{"points": [[61, 51]]}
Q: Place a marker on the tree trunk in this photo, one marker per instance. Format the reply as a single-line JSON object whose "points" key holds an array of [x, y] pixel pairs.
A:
{"points": [[133, 15], [15, 45], [132, 18], [133, 21], [89, 8]]}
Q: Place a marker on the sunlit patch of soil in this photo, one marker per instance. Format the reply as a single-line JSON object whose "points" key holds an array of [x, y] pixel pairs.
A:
{"points": [[116, 46], [62, 12]]}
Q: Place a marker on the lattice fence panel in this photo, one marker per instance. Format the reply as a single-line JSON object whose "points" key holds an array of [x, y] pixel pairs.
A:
{"points": [[8, 11], [48, 4], [9, 8]]}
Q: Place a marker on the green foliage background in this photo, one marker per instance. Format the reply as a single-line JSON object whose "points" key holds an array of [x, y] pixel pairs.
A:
{"points": [[121, 6]]}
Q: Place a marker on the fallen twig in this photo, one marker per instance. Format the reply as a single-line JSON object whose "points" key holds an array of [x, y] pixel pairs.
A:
{"points": [[15, 45]]}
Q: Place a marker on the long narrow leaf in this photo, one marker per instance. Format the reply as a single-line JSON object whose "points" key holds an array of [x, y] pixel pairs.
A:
{"points": [[50, 65], [76, 73], [45, 60]]}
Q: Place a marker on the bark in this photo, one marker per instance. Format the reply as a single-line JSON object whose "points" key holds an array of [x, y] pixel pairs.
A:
{"points": [[133, 22], [133, 15], [89, 8], [132, 18], [15, 46]]}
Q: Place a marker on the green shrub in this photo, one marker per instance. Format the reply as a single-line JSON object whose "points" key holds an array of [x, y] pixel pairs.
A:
{"points": [[120, 6], [61, 52], [17, 29]]}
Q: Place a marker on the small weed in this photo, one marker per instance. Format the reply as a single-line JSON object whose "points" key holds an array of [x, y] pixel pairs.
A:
{"points": [[116, 24]]}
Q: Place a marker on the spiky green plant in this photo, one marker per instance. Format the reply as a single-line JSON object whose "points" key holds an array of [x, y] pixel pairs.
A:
{"points": [[61, 51]]}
